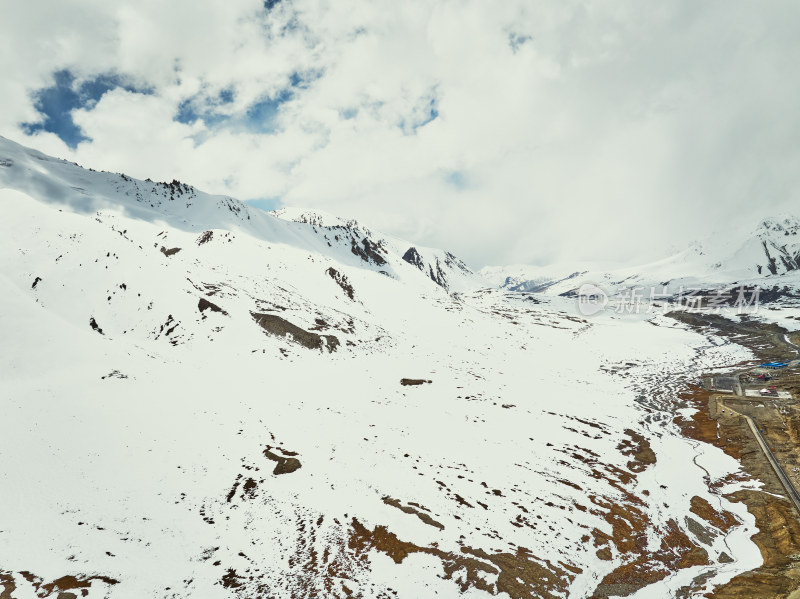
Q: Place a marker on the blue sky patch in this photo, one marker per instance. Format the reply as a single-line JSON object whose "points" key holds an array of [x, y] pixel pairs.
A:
{"points": [[259, 117], [197, 107], [262, 115], [265, 204], [421, 117], [433, 114], [457, 179], [516, 41], [226, 96], [57, 102]]}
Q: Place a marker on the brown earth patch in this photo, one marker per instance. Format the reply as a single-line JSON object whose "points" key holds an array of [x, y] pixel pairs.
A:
{"points": [[638, 447], [723, 520], [285, 465], [47, 589], [520, 574], [408, 509], [778, 538]]}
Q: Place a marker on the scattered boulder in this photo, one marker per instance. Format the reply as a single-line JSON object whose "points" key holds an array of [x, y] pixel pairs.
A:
{"points": [[94, 325], [285, 465], [204, 305], [169, 252]]}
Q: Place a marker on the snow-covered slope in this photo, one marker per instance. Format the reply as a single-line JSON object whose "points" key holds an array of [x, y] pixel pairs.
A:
{"points": [[443, 268], [200, 399]]}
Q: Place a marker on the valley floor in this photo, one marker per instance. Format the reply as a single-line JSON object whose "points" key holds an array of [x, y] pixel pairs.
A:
{"points": [[546, 466], [199, 399]]}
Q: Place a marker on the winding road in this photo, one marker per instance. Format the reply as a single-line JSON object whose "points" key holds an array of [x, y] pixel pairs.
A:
{"points": [[791, 491]]}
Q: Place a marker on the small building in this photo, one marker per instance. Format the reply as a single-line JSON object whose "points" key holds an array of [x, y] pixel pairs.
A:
{"points": [[773, 365]]}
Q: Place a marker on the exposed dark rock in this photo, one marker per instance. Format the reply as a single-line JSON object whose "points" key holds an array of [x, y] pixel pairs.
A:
{"points": [[235, 486], [114, 374], [342, 281], [275, 325], [409, 509], [434, 271], [703, 534], [169, 252], [168, 328], [406, 382], [205, 237], [438, 275], [455, 262], [368, 251], [203, 304], [94, 325], [412, 257], [771, 265], [36, 282], [249, 488], [231, 580], [285, 465]]}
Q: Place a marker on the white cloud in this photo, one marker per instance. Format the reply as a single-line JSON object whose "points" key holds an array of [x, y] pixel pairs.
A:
{"points": [[563, 130]]}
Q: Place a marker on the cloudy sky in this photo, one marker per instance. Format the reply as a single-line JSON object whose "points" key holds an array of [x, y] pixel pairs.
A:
{"points": [[520, 131]]}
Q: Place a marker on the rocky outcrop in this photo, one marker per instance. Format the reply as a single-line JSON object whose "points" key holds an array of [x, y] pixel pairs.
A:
{"points": [[342, 281], [435, 268], [203, 304], [368, 251], [275, 325], [412, 257], [407, 382]]}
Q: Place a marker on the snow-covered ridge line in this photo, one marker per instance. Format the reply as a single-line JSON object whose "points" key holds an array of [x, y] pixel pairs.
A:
{"points": [[184, 207], [767, 255]]}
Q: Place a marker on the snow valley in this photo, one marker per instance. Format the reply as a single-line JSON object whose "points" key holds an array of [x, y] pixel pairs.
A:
{"points": [[202, 399]]}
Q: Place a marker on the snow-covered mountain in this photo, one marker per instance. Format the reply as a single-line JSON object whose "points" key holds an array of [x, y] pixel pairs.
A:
{"points": [[201, 399], [765, 256], [443, 268]]}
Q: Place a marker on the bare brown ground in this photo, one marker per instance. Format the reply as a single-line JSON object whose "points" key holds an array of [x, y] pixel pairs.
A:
{"points": [[524, 576], [56, 588], [778, 538], [519, 574], [629, 528]]}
